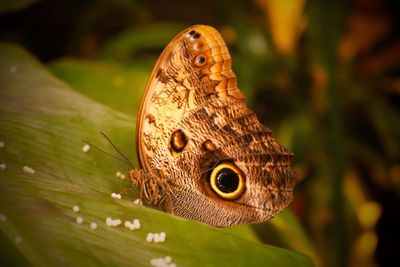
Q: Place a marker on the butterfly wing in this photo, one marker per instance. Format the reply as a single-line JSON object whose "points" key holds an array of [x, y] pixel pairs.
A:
{"points": [[203, 153]]}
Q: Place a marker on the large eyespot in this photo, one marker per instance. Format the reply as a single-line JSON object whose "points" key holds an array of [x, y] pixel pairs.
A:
{"points": [[178, 141], [227, 181], [200, 60]]}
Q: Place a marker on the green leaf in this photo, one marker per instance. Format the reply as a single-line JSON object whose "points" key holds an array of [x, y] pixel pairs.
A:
{"points": [[42, 123], [114, 85], [140, 40]]}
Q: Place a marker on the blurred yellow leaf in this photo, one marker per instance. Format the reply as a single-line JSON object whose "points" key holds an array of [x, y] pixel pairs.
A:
{"points": [[354, 190], [286, 22], [364, 249], [368, 214]]}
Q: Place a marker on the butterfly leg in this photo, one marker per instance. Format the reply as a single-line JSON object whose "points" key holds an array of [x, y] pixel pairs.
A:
{"points": [[150, 190], [137, 180]]}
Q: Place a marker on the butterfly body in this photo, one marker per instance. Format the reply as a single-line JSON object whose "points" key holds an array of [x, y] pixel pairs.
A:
{"points": [[203, 154]]}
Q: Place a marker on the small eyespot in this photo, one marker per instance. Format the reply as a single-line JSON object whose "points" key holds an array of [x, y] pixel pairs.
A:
{"points": [[194, 34], [178, 141], [208, 146], [227, 181], [200, 60]]}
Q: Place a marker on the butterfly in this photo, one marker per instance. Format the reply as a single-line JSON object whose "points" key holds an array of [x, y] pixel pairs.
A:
{"points": [[203, 154]]}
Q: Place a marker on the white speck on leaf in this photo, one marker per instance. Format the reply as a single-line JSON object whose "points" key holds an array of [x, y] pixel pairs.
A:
{"points": [[18, 240], [149, 237], [138, 201], [115, 195], [93, 226], [28, 170], [3, 218], [113, 222], [162, 262], [13, 69], [79, 220], [86, 148]]}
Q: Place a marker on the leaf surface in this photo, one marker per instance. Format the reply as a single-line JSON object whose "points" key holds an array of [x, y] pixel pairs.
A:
{"points": [[42, 124]]}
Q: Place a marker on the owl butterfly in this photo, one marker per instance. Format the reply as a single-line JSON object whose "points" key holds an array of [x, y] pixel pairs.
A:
{"points": [[203, 154]]}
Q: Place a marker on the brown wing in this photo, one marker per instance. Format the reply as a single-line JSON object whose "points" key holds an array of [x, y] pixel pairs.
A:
{"points": [[195, 66]]}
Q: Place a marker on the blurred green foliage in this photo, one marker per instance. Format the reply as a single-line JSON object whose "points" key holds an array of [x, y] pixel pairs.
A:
{"points": [[324, 75]]}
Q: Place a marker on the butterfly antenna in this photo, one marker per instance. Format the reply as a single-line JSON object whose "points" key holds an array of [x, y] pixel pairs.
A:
{"points": [[108, 154], [119, 152]]}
